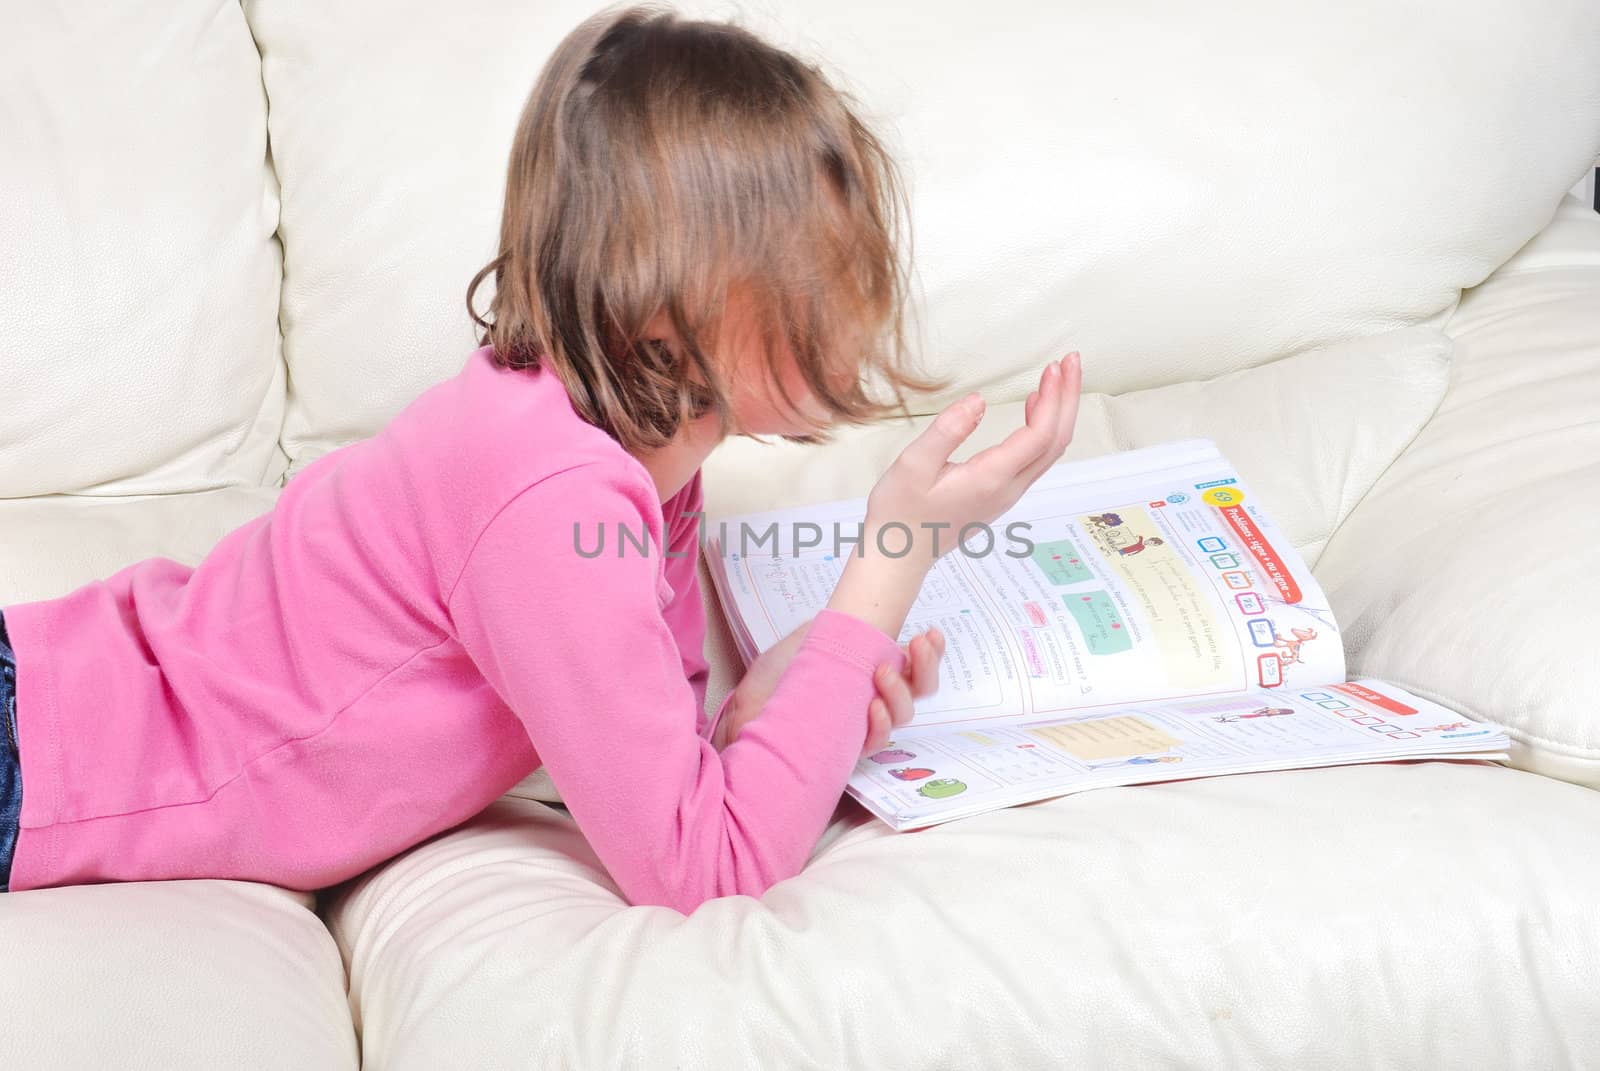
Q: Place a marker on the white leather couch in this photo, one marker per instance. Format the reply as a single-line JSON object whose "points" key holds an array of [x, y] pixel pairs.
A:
{"points": [[1332, 237]]}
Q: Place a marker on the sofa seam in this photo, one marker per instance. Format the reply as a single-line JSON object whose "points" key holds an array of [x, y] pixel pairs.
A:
{"points": [[1422, 426], [271, 161]]}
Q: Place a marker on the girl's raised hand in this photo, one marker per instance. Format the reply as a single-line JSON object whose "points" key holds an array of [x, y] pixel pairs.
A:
{"points": [[925, 491]]}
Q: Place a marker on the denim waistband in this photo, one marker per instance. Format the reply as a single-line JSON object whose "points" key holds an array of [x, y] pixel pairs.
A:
{"points": [[8, 687], [10, 759]]}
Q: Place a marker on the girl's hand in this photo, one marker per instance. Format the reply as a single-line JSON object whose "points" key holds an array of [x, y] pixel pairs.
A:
{"points": [[892, 706], [756, 686], [889, 709], [935, 497], [919, 508]]}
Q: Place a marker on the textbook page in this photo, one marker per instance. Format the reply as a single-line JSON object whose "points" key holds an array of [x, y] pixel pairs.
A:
{"points": [[935, 778], [1145, 574]]}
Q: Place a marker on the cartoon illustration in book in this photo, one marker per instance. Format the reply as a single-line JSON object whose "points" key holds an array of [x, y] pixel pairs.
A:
{"points": [[911, 773], [1259, 712], [1302, 636], [1446, 728], [943, 788], [892, 754], [1112, 534], [1137, 760], [1136, 547]]}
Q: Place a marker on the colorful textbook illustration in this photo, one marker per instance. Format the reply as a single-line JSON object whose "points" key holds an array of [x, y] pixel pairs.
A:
{"points": [[1145, 621]]}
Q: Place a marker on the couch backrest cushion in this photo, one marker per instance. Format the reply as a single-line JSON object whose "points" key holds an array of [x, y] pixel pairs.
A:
{"points": [[138, 267], [1310, 434], [1468, 574], [1177, 190]]}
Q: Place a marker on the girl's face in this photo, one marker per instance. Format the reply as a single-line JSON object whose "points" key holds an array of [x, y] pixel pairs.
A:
{"points": [[758, 407]]}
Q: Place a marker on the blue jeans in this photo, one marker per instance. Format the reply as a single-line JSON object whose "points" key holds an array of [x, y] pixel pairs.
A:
{"points": [[10, 759]]}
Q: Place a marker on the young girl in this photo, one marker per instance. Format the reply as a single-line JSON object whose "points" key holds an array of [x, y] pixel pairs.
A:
{"points": [[699, 240]]}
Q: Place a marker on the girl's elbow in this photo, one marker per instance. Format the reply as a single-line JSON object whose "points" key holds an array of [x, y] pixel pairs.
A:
{"points": [[685, 893]]}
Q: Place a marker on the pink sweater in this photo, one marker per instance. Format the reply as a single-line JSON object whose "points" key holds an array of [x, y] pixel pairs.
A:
{"points": [[405, 635]]}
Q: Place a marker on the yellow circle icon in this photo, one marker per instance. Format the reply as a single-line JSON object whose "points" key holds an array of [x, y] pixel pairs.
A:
{"points": [[1223, 496]]}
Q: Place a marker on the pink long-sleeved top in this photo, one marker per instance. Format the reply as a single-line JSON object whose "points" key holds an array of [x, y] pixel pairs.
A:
{"points": [[418, 623]]}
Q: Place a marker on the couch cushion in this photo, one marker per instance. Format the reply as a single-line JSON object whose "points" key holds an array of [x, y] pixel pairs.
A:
{"points": [[1176, 191], [139, 276], [1426, 915], [53, 544], [1470, 574], [172, 974]]}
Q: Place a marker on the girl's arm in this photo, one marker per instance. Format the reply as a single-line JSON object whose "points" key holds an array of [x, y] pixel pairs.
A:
{"points": [[579, 649], [892, 708]]}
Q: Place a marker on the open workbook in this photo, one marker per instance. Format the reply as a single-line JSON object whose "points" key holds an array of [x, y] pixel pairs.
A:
{"points": [[1135, 617]]}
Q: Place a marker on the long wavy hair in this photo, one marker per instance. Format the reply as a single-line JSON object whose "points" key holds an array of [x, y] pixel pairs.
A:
{"points": [[661, 165]]}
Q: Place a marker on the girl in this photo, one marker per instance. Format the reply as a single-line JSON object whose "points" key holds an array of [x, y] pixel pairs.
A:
{"points": [[699, 240]]}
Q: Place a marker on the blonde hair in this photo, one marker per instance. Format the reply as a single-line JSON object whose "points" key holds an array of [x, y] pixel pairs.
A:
{"points": [[662, 164]]}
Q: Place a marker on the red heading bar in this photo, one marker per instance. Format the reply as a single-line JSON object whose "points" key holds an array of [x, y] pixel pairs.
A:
{"points": [[1393, 706], [1262, 551]]}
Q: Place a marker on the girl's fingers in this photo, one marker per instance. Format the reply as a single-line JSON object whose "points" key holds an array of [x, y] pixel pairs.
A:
{"points": [[932, 448], [1066, 420], [1072, 394], [877, 727], [1070, 367], [916, 657], [926, 651], [895, 691], [1031, 441]]}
